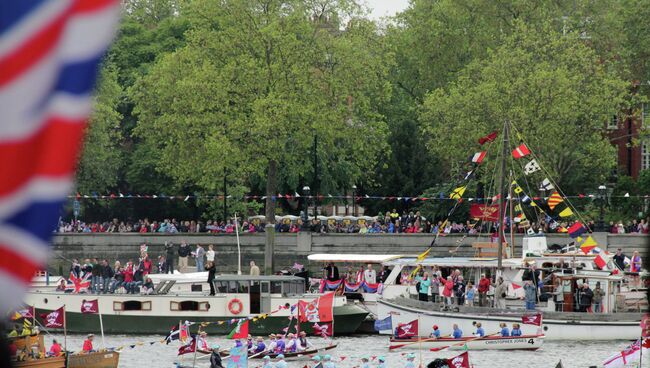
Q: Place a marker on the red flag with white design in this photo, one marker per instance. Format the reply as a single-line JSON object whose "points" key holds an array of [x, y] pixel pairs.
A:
{"points": [[600, 261], [520, 151], [324, 329], [478, 157], [90, 306], [532, 319], [407, 330], [460, 361], [189, 348], [54, 319], [318, 310]]}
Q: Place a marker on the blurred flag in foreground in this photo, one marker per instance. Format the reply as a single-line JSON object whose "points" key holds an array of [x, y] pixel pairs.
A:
{"points": [[49, 55]]}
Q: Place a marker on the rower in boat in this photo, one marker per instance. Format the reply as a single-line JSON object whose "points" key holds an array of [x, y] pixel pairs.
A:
{"points": [[504, 330], [215, 357], [435, 334], [365, 362], [202, 343], [258, 347], [281, 363], [303, 343], [292, 344], [458, 333], [279, 344], [382, 362], [410, 360], [272, 344], [327, 361], [88, 344], [267, 362], [480, 332], [516, 330], [249, 341]]}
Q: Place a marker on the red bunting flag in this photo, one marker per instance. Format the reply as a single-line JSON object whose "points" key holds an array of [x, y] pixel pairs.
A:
{"points": [[515, 286], [532, 319], [600, 261], [488, 138], [54, 319], [478, 157], [484, 212], [520, 151], [460, 361], [407, 330], [90, 306]]}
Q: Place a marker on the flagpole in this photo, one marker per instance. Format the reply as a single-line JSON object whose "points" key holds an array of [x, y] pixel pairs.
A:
{"points": [[238, 246], [101, 327], [419, 341], [65, 336]]}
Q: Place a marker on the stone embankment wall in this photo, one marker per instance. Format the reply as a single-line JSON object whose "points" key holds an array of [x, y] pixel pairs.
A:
{"points": [[290, 248]]}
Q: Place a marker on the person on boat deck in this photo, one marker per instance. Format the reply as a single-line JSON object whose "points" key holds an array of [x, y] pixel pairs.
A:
{"points": [[435, 333], [470, 294], [292, 344], [303, 343], [281, 363], [516, 330], [267, 362], [457, 333], [598, 298], [327, 362], [480, 332], [459, 290], [61, 286], [365, 362], [369, 275], [425, 284], [410, 360], [382, 362], [212, 270], [483, 288], [585, 297], [331, 272], [147, 287], [504, 330], [215, 357], [88, 344], [530, 295], [448, 290], [255, 270], [500, 292], [128, 276], [279, 344], [259, 346], [55, 349]]}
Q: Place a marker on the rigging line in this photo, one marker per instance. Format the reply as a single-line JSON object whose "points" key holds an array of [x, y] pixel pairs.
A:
{"points": [[557, 187], [521, 166]]}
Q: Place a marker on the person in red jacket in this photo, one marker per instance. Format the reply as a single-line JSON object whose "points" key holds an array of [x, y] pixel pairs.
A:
{"points": [[448, 290], [88, 344], [55, 349], [128, 277], [483, 288]]}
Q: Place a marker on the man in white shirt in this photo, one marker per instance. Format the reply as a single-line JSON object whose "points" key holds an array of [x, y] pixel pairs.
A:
{"points": [[369, 275]]}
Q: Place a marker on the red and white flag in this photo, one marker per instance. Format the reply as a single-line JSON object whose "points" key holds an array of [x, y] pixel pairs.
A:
{"points": [[49, 57], [478, 157], [54, 319], [90, 306], [629, 355], [520, 151], [407, 330], [318, 310], [460, 361], [189, 348], [600, 261], [532, 319], [324, 329]]}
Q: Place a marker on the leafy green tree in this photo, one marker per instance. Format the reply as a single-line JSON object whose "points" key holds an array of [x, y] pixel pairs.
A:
{"points": [[554, 90]]}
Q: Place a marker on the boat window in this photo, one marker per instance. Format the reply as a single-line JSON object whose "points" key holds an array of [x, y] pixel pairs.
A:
{"points": [[265, 287], [189, 305], [197, 287], [132, 305], [243, 287], [222, 286], [276, 287]]}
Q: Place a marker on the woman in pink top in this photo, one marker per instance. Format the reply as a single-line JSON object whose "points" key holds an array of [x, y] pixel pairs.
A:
{"points": [[448, 290]]}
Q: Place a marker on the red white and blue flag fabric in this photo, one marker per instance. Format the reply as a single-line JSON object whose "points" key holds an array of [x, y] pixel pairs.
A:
{"points": [[76, 284], [49, 55]]}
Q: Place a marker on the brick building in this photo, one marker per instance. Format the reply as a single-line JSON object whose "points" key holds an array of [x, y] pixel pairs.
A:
{"points": [[623, 132]]}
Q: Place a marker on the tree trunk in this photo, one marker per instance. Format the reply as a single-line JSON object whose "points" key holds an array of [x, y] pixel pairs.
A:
{"points": [[271, 192]]}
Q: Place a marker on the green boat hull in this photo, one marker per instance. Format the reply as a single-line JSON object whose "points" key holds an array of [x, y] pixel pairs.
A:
{"points": [[347, 320]]}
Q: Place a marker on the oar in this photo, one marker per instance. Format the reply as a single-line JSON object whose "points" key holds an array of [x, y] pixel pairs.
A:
{"points": [[415, 342], [463, 342]]}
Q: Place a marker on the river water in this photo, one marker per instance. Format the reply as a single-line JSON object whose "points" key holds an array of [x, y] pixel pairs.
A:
{"points": [[352, 348]]}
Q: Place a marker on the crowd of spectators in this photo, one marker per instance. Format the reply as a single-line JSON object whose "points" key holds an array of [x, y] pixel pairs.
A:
{"points": [[389, 223]]}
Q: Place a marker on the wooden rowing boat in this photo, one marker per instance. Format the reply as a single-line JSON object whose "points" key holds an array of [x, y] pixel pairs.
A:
{"points": [[526, 342], [290, 356], [99, 359]]}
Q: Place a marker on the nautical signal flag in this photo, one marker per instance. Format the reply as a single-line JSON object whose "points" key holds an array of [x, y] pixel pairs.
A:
{"points": [[576, 230], [458, 193], [520, 151], [531, 167], [90, 306], [547, 185], [554, 200], [566, 212], [488, 138], [588, 245], [478, 157], [424, 255], [240, 331]]}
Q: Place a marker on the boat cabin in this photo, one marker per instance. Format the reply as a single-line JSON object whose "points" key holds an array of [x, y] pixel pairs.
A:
{"points": [[259, 290]]}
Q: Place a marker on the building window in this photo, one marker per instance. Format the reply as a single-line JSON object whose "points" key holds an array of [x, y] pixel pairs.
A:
{"points": [[612, 124], [645, 155]]}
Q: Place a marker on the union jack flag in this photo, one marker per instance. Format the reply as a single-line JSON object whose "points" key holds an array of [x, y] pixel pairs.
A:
{"points": [[49, 54], [78, 284]]}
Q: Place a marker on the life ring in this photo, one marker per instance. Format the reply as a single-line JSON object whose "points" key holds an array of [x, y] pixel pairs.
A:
{"points": [[235, 306]]}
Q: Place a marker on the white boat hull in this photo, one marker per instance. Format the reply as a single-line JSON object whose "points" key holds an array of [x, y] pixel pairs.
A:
{"points": [[553, 329], [532, 342]]}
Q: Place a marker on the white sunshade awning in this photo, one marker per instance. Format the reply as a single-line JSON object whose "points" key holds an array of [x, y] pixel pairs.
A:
{"points": [[361, 258]]}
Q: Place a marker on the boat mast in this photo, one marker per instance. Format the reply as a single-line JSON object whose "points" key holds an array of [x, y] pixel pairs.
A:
{"points": [[502, 177]]}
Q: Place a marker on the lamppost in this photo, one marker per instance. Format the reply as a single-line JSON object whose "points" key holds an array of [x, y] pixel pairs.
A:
{"points": [[602, 193], [305, 216], [354, 203]]}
